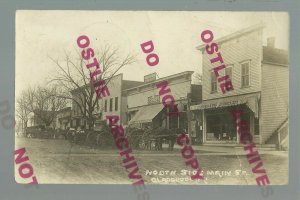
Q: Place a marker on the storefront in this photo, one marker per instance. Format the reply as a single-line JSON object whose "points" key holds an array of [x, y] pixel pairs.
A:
{"points": [[154, 116], [146, 116], [178, 120], [218, 125]]}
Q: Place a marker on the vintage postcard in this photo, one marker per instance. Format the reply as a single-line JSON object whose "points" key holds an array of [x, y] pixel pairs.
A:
{"points": [[152, 97]]}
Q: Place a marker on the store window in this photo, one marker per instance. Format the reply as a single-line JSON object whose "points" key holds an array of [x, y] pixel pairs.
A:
{"points": [[245, 79], [220, 127], [213, 82]]}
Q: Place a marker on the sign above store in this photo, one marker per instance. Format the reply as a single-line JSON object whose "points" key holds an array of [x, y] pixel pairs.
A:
{"points": [[250, 100], [150, 77], [208, 105]]}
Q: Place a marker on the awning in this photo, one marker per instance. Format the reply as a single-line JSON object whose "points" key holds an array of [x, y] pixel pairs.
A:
{"points": [[251, 100], [146, 114]]}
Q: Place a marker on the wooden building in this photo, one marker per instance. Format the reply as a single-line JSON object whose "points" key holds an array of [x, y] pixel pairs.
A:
{"points": [[145, 108], [260, 79]]}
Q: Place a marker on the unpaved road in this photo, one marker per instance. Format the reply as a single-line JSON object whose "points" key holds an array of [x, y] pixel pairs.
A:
{"points": [[59, 161]]}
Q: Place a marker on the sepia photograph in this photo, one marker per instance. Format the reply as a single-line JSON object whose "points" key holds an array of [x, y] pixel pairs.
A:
{"points": [[151, 97]]}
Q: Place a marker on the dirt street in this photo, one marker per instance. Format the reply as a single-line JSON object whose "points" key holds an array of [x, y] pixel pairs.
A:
{"points": [[59, 161]]}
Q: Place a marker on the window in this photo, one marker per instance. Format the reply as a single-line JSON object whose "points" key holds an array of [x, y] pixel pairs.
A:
{"points": [[110, 104], [213, 82], [153, 99], [228, 71], [105, 106], [245, 74], [116, 103], [219, 127], [185, 108]]}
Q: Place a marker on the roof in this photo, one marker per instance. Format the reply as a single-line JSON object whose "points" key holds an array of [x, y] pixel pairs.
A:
{"points": [[164, 78], [126, 84], [275, 56], [236, 34]]}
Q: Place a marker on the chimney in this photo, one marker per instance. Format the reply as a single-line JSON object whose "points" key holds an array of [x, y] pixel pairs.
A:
{"points": [[271, 42]]}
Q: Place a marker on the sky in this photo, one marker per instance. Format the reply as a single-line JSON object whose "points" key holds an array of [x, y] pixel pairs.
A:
{"points": [[175, 35]]}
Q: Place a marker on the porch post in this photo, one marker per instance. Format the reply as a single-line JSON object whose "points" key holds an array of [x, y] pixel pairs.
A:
{"points": [[203, 126], [237, 134], [252, 125], [189, 117], [178, 118]]}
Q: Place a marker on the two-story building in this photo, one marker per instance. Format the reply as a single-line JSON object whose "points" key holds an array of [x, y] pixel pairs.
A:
{"points": [[259, 75], [145, 108], [114, 104]]}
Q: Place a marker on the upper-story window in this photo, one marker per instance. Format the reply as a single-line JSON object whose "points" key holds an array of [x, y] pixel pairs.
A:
{"points": [[228, 71], [153, 99], [116, 103], [213, 85], [105, 105], [245, 76], [111, 104]]}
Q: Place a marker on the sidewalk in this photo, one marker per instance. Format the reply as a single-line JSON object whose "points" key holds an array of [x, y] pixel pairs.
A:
{"points": [[223, 150]]}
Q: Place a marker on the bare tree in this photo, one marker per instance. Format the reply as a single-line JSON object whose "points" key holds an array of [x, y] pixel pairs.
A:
{"points": [[43, 102], [74, 77], [23, 111]]}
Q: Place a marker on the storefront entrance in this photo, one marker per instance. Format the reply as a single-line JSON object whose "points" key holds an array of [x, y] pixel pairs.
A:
{"points": [[220, 127]]}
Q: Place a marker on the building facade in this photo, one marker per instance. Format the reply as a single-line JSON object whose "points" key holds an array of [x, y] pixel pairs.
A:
{"points": [[260, 79], [114, 104], [145, 108]]}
